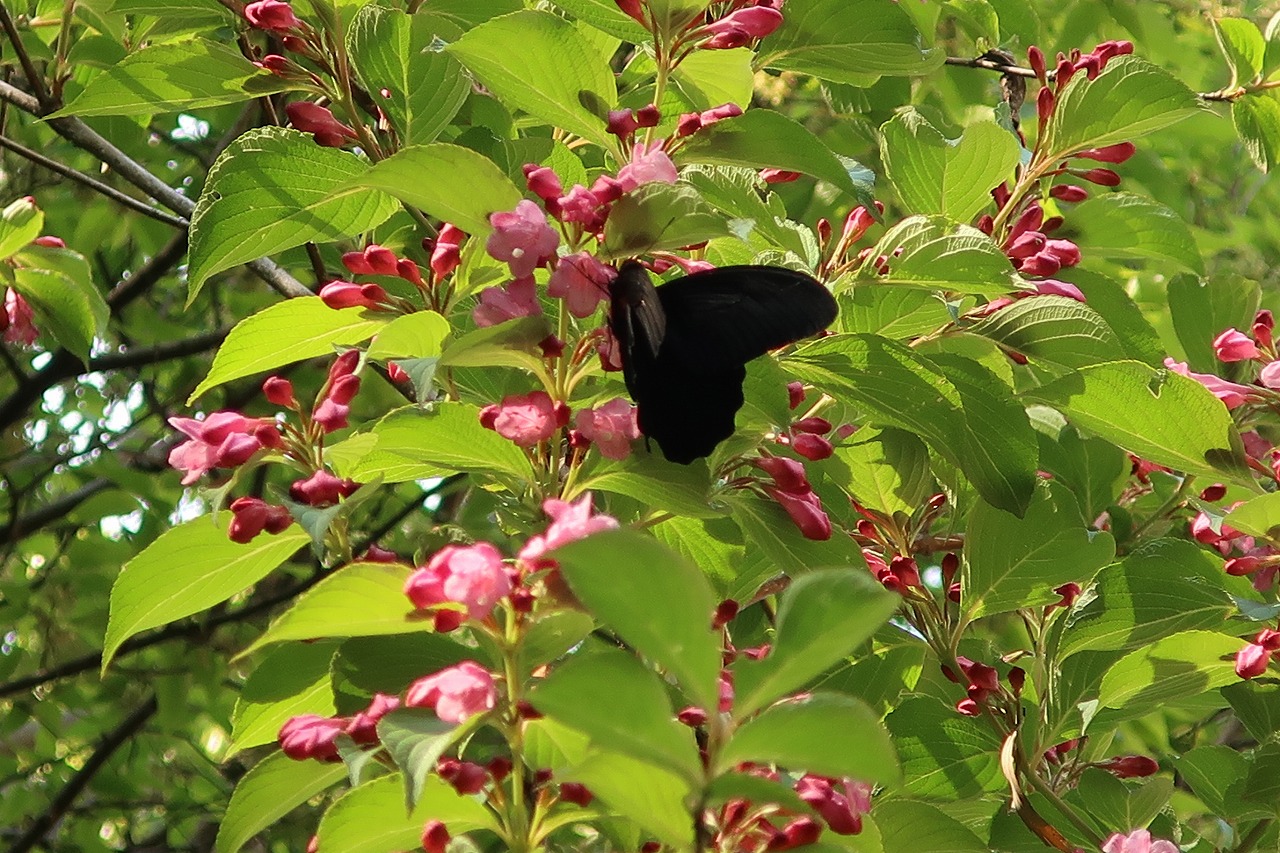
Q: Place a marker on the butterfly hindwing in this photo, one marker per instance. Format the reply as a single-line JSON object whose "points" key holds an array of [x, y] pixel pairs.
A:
{"points": [[685, 344]]}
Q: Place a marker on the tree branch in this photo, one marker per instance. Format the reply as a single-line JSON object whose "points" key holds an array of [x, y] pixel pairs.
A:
{"points": [[112, 741], [94, 184], [34, 79], [1021, 71]]}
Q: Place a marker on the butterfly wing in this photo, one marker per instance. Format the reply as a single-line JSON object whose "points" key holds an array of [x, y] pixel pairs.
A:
{"points": [[685, 361]]}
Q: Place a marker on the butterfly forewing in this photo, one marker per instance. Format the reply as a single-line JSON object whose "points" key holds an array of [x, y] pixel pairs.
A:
{"points": [[685, 344]]}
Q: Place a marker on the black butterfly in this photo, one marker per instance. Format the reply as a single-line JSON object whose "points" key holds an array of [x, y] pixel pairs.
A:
{"points": [[685, 345]]}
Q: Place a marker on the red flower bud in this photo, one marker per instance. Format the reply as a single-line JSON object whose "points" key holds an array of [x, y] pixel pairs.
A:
{"points": [[279, 391], [1102, 177], [1117, 153], [1069, 193]]}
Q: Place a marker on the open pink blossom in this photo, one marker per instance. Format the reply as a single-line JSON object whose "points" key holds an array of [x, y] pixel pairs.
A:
{"points": [[841, 803], [1138, 841], [522, 238], [473, 576], [525, 419], [570, 522], [516, 298], [582, 282], [1230, 393], [611, 427], [1270, 375], [648, 165], [455, 694], [1234, 345], [17, 320], [222, 440], [739, 27]]}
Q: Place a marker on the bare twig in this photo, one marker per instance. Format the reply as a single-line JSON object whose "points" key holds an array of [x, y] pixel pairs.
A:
{"points": [[34, 79]]}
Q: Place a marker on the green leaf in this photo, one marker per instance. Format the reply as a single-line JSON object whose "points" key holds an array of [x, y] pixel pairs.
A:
{"points": [[62, 307], [823, 615], [281, 334], [932, 253], [709, 78], [510, 344], [933, 174], [1110, 299], [1204, 308], [20, 223], [1129, 99], [166, 78], [1094, 469], [188, 569], [651, 796], [275, 786], [1012, 562], [1153, 413], [270, 191], [824, 733], [881, 677], [1054, 329], [641, 722], [944, 756], [552, 635], [290, 680], [1243, 46], [1176, 667], [358, 600], [1217, 775], [1113, 803], [910, 825], [413, 444], [417, 335], [655, 483], [888, 470], [605, 16], [372, 818], [388, 664], [562, 79], [848, 41], [1257, 706], [768, 139], [618, 573], [1257, 120], [656, 217], [415, 739], [973, 425], [1164, 588], [391, 52], [1258, 516], [899, 313], [447, 181], [1124, 225]]}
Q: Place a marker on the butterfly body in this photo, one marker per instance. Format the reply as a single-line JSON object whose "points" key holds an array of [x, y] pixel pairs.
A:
{"points": [[685, 345]]}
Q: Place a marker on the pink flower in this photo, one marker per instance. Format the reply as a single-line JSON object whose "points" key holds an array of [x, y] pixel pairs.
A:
{"points": [[612, 427], [445, 254], [633, 9], [251, 516], [348, 294], [778, 176], [526, 419], [841, 803], [455, 694], [17, 320], [473, 576], [522, 238], [466, 777], [1130, 766], [812, 447], [311, 736], [1270, 375], [222, 440], [271, 15], [582, 282], [319, 122], [279, 391], [435, 837], [1233, 345], [806, 511], [542, 181], [1229, 393], [1067, 192], [517, 298], [363, 727], [739, 27], [578, 794], [1053, 287], [1117, 153], [583, 206], [570, 522], [321, 489], [1138, 841], [648, 165]]}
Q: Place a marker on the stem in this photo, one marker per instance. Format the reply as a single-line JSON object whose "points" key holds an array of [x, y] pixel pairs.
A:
{"points": [[1175, 500], [518, 824], [1078, 822], [1255, 835]]}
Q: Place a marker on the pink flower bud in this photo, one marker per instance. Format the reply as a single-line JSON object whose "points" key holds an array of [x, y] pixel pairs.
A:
{"points": [[1045, 102], [357, 263], [1252, 660], [455, 694], [692, 717], [1053, 287], [363, 727], [787, 474], [344, 389], [1233, 345], [466, 777], [1130, 766], [815, 425], [48, 241], [271, 15], [725, 613], [795, 394], [778, 176], [321, 489], [622, 123], [348, 294], [543, 182], [579, 795], [251, 516], [1069, 193], [752, 22], [1026, 245], [634, 9], [688, 124], [806, 511], [279, 391], [648, 116], [720, 113], [607, 189], [1102, 177], [315, 119], [311, 736], [435, 837], [1117, 153], [812, 447], [1035, 58]]}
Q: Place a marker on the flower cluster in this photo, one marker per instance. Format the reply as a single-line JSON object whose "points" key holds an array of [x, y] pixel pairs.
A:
{"points": [[1253, 659], [528, 420], [313, 736], [743, 22], [473, 577], [1138, 841], [839, 804]]}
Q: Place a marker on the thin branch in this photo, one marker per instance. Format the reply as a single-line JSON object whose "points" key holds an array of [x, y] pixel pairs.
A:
{"points": [[993, 65], [34, 79], [112, 741], [36, 519], [94, 184], [141, 357]]}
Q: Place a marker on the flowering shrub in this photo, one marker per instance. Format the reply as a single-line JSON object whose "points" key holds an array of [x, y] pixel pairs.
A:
{"points": [[989, 564]]}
